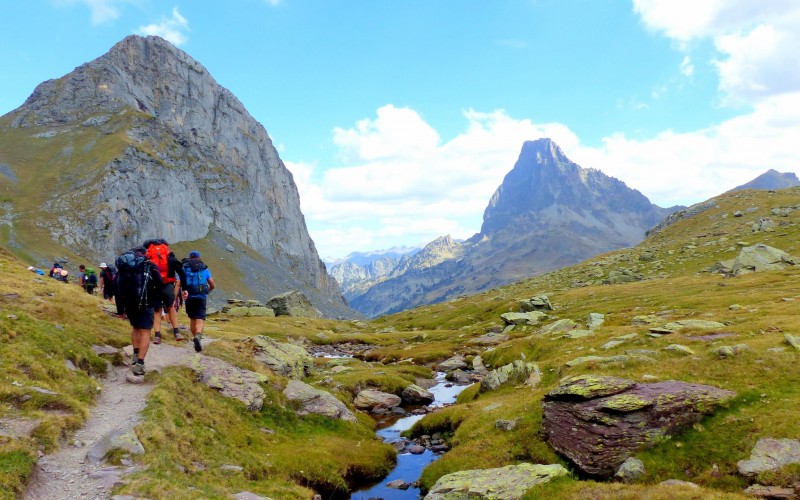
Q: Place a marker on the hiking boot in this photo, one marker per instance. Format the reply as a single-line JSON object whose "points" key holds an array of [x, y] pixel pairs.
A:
{"points": [[138, 369], [197, 346], [179, 337], [157, 339]]}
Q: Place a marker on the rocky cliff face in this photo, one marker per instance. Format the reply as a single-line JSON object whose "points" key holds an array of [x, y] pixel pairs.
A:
{"points": [[548, 213], [148, 144]]}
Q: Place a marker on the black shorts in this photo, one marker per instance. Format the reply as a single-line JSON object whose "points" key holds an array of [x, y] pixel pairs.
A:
{"points": [[140, 318], [196, 307], [165, 298]]}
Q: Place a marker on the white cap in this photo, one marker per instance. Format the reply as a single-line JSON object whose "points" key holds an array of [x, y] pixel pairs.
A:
{"points": [[103, 264]]}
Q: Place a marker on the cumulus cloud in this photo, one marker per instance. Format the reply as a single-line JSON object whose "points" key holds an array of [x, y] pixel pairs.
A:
{"points": [[173, 29], [687, 68], [755, 41], [391, 192]]}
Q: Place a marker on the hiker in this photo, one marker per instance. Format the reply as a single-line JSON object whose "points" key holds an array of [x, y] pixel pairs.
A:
{"points": [[89, 280], [55, 271], [35, 270], [62, 275], [196, 284], [107, 282], [169, 267], [139, 284]]}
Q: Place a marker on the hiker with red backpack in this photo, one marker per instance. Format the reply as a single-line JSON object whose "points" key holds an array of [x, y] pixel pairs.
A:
{"points": [[158, 252], [139, 282]]}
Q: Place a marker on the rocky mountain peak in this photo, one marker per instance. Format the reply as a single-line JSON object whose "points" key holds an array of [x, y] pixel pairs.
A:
{"points": [[771, 179]]}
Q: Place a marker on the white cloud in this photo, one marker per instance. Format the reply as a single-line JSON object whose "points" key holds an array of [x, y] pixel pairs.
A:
{"points": [[756, 42], [172, 29], [274, 3], [102, 11], [687, 68], [391, 192]]}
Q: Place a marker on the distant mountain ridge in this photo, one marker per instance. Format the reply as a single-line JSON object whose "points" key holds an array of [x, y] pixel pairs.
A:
{"points": [[771, 179], [548, 213]]}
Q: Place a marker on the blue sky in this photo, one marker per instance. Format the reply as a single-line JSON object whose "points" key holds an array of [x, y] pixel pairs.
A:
{"points": [[400, 119]]}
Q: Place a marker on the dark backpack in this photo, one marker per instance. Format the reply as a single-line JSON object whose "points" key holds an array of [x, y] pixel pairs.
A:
{"points": [[196, 282], [132, 279], [91, 277]]}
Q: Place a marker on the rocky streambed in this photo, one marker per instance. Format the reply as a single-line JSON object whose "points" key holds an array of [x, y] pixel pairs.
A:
{"points": [[412, 455]]}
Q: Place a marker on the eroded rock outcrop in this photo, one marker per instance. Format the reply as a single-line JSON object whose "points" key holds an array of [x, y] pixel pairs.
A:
{"points": [[284, 359], [598, 422]]}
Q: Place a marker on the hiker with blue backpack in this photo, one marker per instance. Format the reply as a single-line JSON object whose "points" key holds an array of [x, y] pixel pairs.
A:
{"points": [[139, 283], [196, 284]]}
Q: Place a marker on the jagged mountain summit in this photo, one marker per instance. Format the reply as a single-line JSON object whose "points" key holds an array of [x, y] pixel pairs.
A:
{"points": [[142, 142], [548, 213], [771, 179]]}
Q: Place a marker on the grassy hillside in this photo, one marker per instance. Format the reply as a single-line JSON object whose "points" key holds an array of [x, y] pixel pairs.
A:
{"points": [[186, 424]]}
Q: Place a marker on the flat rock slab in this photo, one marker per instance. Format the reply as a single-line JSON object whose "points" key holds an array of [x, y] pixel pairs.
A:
{"points": [[770, 454], [231, 381], [504, 483], [598, 422], [311, 400]]}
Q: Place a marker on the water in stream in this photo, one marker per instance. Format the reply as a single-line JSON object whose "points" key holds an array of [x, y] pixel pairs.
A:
{"points": [[409, 466]]}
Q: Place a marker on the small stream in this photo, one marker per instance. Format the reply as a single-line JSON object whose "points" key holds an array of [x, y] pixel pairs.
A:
{"points": [[409, 466]]}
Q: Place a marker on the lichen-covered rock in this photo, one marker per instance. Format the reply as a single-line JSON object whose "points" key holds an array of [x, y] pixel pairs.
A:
{"points": [[792, 341], [761, 257], [517, 371], [231, 381], [729, 351], [630, 470], [562, 326], [293, 303], [597, 422], [249, 311], [310, 400], [284, 359], [595, 320], [536, 303], [415, 394], [699, 324], [523, 318], [770, 454], [369, 399], [679, 348], [504, 483]]}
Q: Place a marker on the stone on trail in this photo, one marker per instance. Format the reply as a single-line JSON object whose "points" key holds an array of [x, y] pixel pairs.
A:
{"points": [[311, 400], [770, 454], [597, 422], [369, 399], [118, 439], [231, 381], [504, 483], [284, 359]]}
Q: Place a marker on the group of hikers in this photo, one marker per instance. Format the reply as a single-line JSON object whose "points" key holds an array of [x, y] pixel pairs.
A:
{"points": [[149, 281]]}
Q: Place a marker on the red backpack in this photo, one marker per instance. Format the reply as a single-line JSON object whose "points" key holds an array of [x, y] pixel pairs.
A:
{"points": [[158, 253]]}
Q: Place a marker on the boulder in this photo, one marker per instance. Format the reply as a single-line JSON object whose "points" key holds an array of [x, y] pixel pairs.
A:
{"points": [[454, 363], [560, 326], [506, 425], [630, 470], [284, 359], [310, 400], [595, 320], [231, 381], [698, 324], [729, 351], [504, 483], [523, 318], [792, 341], [536, 303], [770, 454], [577, 334], [118, 439], [415, 394], [369, 399], [293, 303], [518, 371], [597, 422], [761, 257]]}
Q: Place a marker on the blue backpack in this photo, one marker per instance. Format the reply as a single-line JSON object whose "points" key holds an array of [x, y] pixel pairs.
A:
{"points": [[196, 282]]}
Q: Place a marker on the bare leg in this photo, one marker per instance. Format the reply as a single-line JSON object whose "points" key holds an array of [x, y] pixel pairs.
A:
{"points": [[157, 320], [172, 314], [143, 339]]}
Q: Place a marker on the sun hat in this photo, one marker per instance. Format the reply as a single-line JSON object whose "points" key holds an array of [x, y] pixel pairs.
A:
{"points": [[103, 264], [194, 254]]}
